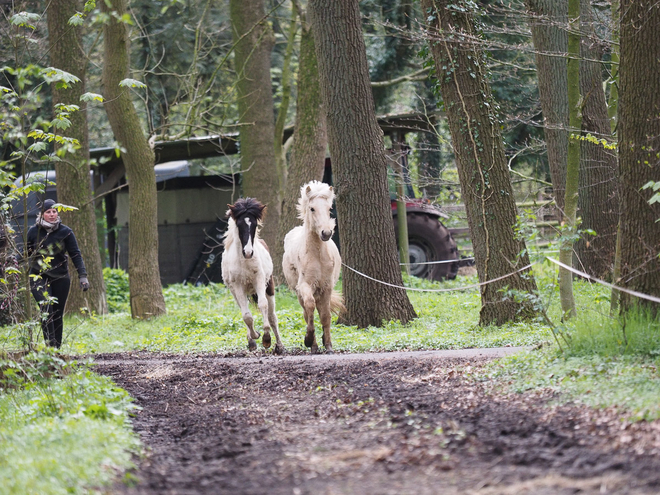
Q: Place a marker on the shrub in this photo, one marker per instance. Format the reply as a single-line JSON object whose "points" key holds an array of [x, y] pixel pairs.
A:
{"points": [[117, 290]]}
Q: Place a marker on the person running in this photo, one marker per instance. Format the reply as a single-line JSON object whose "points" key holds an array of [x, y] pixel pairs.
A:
{"points": [[49, 242]]}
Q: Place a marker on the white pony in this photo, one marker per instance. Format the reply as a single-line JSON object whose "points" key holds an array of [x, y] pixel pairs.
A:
{"points": [[247, 269], [311, 261]]}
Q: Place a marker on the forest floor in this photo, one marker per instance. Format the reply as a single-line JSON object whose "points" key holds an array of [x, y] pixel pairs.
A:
{"points": [[392, 423]]}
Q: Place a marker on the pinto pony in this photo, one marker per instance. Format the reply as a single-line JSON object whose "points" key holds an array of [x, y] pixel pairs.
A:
{"points": [[311, 261], [247, 269]]}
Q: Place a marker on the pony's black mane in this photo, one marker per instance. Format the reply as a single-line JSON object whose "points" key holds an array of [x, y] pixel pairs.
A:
{"points": [[247, 206]]}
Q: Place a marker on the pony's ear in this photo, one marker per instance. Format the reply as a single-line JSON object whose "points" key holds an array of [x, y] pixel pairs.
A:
{"points": [[230, 211], [308, 190], [331, 189]]}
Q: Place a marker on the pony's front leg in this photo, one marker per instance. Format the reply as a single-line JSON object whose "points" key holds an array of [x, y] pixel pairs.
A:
{"points": [[242, 300], [306, 299], [262, 303], [323, 307], [272, 318]]}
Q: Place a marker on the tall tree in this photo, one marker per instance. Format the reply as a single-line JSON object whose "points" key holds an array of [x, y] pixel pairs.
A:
{"points": [[480, 159], [359, 168], [309, 140], [639, 149], [548, 20], [573, 160], [73, 174], [597, 195], [144, 278], [254, 40], [598, 204]]}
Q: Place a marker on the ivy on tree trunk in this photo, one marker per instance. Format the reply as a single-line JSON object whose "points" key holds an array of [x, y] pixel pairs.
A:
{"points": [[73, 174], [481, 162], [144, 276]]}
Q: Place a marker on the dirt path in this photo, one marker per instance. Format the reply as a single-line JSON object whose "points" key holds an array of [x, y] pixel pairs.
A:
{"points": [[369, 424]]}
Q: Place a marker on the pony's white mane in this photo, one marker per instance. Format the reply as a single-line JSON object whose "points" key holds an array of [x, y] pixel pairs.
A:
{"points": [[231, 233], [317, 190]]}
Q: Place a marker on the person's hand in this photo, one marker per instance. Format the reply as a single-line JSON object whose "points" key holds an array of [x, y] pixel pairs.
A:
{"points": [[84, 284]]}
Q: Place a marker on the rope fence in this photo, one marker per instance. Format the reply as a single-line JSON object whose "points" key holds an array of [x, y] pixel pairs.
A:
{"points": [[602, 282], [466, 287], [480, 284]]}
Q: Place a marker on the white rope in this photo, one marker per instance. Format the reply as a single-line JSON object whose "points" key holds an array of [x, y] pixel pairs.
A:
{"points": [[473, 286], [602, 282], [435, 262]]}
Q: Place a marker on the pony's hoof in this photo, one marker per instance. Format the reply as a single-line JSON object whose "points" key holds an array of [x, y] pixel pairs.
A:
{"points": [[252, 345], [315, 349], [329, 351], [279, 349], [309, 340], [266, 340]]}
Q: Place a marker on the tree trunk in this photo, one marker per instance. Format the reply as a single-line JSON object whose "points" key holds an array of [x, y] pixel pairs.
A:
{"points": [[612, 112], [144, 279], [548, 21], [573, 161], [598, 204], [480, 159], [639, 148], [359, 168], [283, 110], [254, 40], [73, 174], [309, 143]]}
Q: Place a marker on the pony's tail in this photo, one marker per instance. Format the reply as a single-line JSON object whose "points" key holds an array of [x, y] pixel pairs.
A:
{"points": [[337, 303]]}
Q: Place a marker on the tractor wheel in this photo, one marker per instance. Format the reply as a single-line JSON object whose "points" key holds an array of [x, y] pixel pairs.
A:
{"points": [[429, 240]]}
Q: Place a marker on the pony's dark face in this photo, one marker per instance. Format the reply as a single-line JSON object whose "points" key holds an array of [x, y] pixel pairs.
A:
{"points": [[247, 213]]}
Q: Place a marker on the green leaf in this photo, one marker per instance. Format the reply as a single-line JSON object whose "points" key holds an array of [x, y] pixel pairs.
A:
{"points": [[63, 78], [132, 83], [91, 97], [77, 19], [61, 207], [63, 107], [61, 123], [126, 18], [37, 147], [652, 184], [25, 19]]}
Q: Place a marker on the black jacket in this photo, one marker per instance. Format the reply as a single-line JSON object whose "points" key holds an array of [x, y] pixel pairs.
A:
{"points": [[56, 245]]}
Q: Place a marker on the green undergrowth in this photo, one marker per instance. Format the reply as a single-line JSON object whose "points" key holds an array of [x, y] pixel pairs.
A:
{"points": [[206, 319], [63, 428], [603, 362]]}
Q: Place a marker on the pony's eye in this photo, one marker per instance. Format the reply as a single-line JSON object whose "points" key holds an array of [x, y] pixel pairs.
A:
{"points": [[312, 209]]}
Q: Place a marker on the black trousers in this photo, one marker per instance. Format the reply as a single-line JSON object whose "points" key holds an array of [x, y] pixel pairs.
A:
{"points": [[44, 289]]}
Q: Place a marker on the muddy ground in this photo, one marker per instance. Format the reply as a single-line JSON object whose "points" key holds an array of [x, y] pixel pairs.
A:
{"points": [[372, 424]]}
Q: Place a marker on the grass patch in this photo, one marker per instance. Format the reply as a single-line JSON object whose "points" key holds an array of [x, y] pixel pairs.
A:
{"points": [[206, 319], [66, 431], [609, 363]]}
